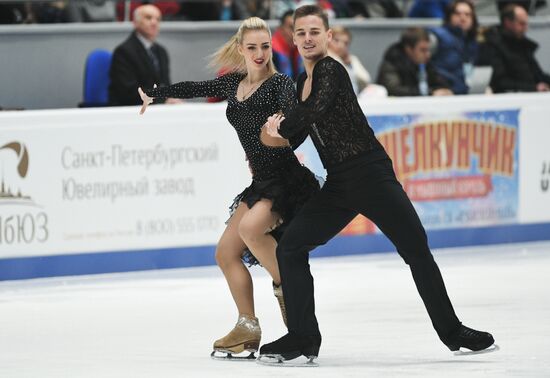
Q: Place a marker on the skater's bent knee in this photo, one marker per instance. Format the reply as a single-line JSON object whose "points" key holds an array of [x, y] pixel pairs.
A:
{"points": [[220, 258], [226, 256], [250, 233]]}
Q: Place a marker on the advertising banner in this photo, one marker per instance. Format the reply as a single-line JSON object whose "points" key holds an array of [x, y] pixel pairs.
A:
{"points": [[94, 181], [459, 170], [465, 161]]}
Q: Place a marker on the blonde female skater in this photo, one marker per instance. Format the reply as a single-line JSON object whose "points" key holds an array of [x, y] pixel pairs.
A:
{"points": [[280, 184]]}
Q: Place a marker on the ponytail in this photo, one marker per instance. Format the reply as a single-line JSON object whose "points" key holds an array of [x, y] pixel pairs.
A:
{"points": [[228, 57]]}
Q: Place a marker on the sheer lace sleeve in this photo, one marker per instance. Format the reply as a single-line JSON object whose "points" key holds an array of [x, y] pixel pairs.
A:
{"points": [[287, 95], [219, 87], [326, 82], [287, 103]]}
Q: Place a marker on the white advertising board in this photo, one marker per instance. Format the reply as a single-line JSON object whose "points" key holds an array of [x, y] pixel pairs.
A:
{"points": [[74, 181], [102, 180]]}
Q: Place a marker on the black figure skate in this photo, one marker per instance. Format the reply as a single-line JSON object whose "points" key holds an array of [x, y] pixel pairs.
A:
{"points": [[466, 341], [289, 347]]}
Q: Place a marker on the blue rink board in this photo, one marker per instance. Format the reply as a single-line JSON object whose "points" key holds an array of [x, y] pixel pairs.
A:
{"points": [[167, 258]]}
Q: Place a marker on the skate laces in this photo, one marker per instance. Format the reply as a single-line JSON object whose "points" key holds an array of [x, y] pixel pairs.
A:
{"points": [[278, 292], [470, 333]]}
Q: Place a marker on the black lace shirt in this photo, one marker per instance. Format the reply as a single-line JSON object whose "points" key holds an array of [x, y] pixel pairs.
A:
{"points": [[248, 116], [332, 117]]}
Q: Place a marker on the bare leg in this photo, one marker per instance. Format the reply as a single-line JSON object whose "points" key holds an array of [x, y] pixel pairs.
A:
{"points": [[253, 229], [228, 257]]}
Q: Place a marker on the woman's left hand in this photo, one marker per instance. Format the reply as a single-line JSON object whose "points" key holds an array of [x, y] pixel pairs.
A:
{"points": [[146, 99]]}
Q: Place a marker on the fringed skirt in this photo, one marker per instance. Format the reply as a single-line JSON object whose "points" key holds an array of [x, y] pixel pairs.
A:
{"points": [[288, 189]]}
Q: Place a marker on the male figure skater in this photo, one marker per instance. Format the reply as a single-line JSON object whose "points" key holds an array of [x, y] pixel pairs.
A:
{"points": [[360, 180]]}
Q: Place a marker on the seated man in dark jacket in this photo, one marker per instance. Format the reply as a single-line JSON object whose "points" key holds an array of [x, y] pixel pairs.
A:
{"points": [[512, 55], [139, 61], [406, 70]]}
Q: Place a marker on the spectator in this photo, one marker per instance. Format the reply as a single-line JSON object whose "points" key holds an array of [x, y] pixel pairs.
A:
{"points": [[139, 61], [512, 55], [280, 7], [50, 12], [428, 8], [91, 11], [285, 55], [168, 9], [231, 10], [383, 8], [257, 8], [455, 46], [206, 11], [224, 10], [365, 8], [11, 14], [406, 69], [338, 49], [350, 9], [530, 6]]}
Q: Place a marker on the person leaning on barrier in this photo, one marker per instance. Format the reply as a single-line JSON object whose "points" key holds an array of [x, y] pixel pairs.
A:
{"points": [[338, 49], [406, 69], [512, 55], [140, 60]]}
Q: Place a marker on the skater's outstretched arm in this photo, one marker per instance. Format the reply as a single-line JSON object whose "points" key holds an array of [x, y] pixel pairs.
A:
{"points": [[218, 87]]}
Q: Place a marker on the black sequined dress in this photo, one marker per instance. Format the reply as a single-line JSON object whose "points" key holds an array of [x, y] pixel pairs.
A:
{"points": [[277, 174]]}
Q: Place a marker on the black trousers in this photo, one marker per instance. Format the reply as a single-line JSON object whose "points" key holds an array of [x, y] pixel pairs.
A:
{"points": [[369, 188]]}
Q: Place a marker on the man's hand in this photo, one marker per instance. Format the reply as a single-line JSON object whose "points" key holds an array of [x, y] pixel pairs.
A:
{"points": [[272, 125], [543, 87], [442, 92]]}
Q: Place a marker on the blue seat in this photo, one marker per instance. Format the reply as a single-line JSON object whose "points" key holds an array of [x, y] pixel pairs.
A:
{"points": [[96, 78]]}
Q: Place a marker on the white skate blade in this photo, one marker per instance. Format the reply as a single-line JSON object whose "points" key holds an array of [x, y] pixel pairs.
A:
{"points": [[467, 352], [229, 356], [278, 360]]}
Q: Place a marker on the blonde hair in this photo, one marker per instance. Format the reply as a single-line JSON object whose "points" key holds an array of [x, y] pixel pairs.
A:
{"points": [[228, 58], [339, 29]]}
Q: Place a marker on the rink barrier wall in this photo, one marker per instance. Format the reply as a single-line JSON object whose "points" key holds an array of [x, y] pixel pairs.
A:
{"points": [[171, 258], [83, 190]]}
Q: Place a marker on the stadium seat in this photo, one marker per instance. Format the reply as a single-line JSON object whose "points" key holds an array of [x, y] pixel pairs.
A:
{"points": [[96, 79]]}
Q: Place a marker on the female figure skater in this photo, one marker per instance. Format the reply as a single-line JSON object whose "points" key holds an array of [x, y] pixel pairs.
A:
{"points": [[280, 184], [360, 180]]}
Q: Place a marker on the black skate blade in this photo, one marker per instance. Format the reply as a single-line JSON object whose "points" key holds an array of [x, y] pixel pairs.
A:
{"points": [[228, 356], [467, 352], [279, 360]]}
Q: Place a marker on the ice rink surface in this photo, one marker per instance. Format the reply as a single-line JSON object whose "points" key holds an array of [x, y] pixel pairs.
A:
{"points": [[163, 323]]}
